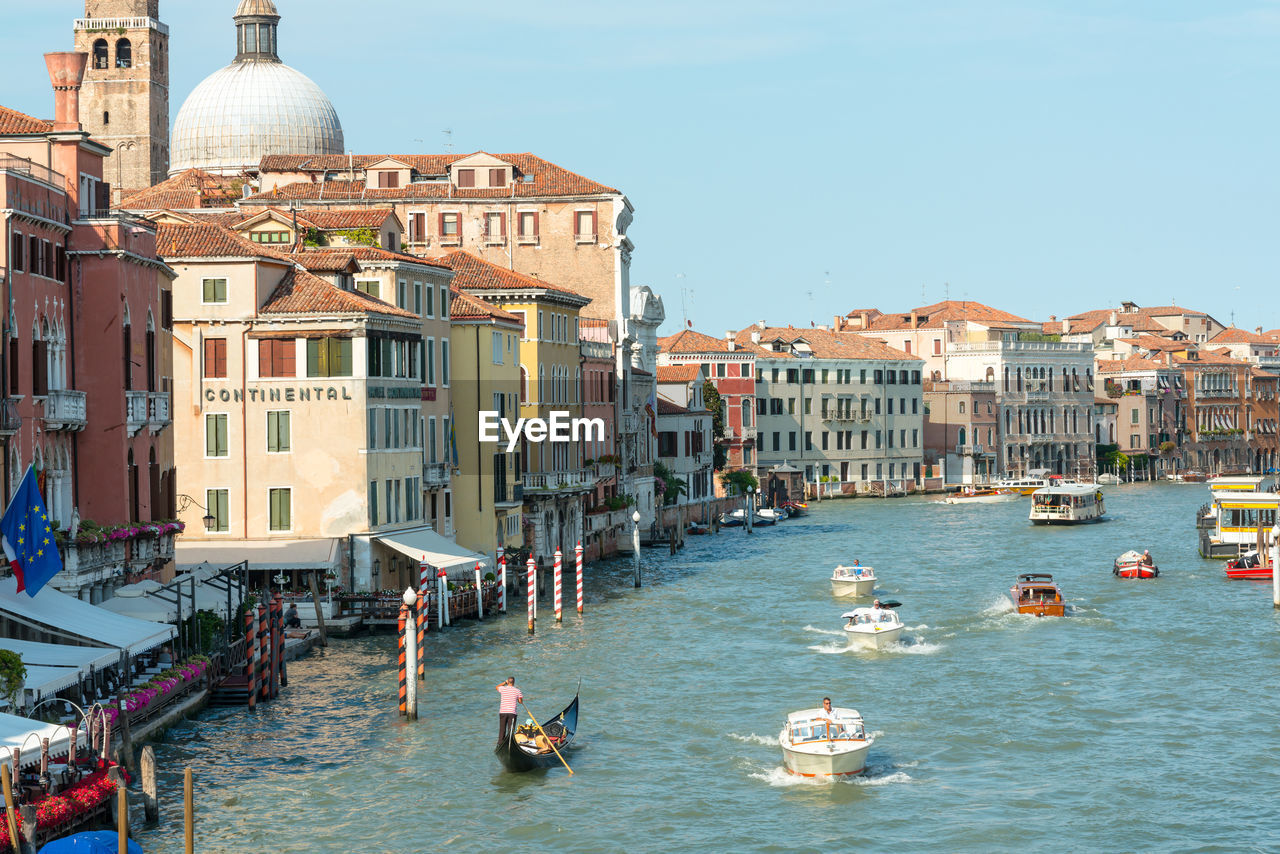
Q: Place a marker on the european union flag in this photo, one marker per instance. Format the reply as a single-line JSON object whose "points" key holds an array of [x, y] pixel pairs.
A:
{"points": [[28, 537]]}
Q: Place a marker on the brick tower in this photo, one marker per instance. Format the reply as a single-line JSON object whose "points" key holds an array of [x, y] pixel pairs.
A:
{"points": [[124, 103]]}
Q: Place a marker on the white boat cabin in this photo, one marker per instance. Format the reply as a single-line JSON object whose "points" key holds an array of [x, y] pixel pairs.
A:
{"points": [[1237, 521], [1067, 503], [1235, 483], [815, 725]]}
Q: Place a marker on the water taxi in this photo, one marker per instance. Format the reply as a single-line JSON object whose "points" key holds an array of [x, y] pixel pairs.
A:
{"points": [[1242, 483], [818, 743], [1248, 567], [1035, 593], [1235, 522], [853, 580], [973, 495], [873, 628], [1023, 485], [1131, 564], [1067, 504]]}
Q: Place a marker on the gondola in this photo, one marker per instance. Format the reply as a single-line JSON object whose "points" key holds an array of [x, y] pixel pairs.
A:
{"points": [[560, 728]]}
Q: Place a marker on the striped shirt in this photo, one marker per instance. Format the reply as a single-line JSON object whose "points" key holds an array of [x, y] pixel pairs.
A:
{"points": [[510, 697]]}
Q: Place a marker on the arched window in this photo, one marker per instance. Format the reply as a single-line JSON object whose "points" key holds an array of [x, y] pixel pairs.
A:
{"points": [[960, 436], [524, 384], [100, 54], [124, 54], [542, 380], [962, 411], [127, 333], [746, 413], [151, 353]]}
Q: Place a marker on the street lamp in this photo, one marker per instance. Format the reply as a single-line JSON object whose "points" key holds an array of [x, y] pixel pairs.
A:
{"points": [[635, 542], [185, 501]]}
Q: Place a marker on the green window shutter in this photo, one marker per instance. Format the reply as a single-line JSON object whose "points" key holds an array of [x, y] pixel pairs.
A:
{"points": [[285, 431]]}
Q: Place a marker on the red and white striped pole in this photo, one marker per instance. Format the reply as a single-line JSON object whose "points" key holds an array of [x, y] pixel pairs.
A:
{"points": [[479, 594], [532, 572], [502, 577], [577, 565], [558, 571]]}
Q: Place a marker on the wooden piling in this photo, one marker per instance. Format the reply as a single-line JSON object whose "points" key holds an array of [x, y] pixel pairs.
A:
{"points": [[150, 803], [530, 573], [188, 812], [10, 816], [251, 656], [315, 598], [126, 737], [28, 820], [122, 813]]}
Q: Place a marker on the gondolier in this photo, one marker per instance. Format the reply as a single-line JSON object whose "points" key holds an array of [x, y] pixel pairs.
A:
{"points": [[509, 698]]}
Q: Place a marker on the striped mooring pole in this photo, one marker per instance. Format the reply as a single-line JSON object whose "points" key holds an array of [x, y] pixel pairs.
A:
{"points": [[264, 657], [502, 578], [410, 674], [531, 574], [559, 570], [420, 613], [577, 566], [404, 683], [479, 594], [251, 654]]}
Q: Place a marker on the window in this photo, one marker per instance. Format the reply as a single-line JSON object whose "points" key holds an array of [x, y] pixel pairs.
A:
{"points": [[214, 291], [417, 298], [495, 226], [497, 348], [372, 287], [444, 362], [275, 358], [329, 357], [281, 502], [215, 434], [269, 237], [402, 294], [450, 230], [388, 179], [584, 226], [527, 226], [278, 432], [215, 358], [215, 500], [100, 58], [373, 504], [791, 441], [497, 177], [466, 177], [16, 253], [417, 227]]}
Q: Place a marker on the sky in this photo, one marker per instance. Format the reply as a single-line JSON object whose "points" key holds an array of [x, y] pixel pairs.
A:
{"points": [[793, 161]]}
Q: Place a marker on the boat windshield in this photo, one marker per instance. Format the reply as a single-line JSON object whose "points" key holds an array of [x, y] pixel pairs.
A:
{"points": [[821, 729]]}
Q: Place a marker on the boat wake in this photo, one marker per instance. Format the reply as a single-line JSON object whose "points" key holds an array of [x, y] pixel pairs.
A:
{"points": [[875, 775], [915, 646], [818, 631], [831, 648], [752, 738]]}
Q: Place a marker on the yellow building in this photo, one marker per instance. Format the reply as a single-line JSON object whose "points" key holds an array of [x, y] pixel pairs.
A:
{"points": [[486, 376], [297, 414], [554, 479]]}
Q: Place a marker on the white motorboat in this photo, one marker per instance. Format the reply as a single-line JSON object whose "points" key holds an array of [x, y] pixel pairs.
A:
{"points": [[768, 516], [1109, 478], [1067, 504], [873, 628], [817, 743], [853, 580], [971, 495]]}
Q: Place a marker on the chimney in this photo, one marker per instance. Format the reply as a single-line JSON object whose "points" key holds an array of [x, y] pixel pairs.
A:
{"points": [[1066, 326], [760, 325], [866, 321], [1114, 318], [837, 323], [728, 340], [1258, 330], [66, 73], [1052, 318], [914, 319], [755, 337], [1168, 358]]}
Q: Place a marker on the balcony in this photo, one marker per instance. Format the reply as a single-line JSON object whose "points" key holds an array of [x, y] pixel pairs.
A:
{"points": [[575, 480], [595, 349], [10, 420], [435, 474], [136, 416], [65, 409], [974, 451], [158, 411]]}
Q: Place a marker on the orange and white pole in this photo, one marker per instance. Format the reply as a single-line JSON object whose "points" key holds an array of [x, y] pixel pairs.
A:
{"points": [[502, 578], [531, 574], [559, 570], [577, 564]]}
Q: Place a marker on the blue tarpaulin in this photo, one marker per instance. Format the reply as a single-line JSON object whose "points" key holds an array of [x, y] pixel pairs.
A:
{"points": [[98, 842]]}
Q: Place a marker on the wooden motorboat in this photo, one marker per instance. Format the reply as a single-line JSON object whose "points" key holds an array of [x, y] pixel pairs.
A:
{"points": [[696, 529], [1248, 567], [972, 495], [817, 743], [873, 628], [1131, 564], [1035, 593], [521, 751], [769, 516], [797, 508], [736, 519], [853, 580]]}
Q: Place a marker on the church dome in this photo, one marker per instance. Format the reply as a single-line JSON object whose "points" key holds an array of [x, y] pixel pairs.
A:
{"points": [[255, 106]]}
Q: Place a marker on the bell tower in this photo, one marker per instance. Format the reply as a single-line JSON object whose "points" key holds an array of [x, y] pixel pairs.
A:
{"points": [[124, 102]]}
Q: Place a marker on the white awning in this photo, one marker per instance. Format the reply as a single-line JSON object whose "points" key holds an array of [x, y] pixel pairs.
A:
{"points": [[58, 612], [424, 545], [319, 554], [43, 681], [17, 733], [143, 601], [62, 655]]}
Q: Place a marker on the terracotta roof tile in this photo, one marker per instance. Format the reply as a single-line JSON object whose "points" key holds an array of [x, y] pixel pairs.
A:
{"points": [[1130, 363], [13, 122], [468, 307], [934, 316], [823, 343], [678, 373], [208, 240], [368, 254], [1232, 335], [548, 178], [300, 292], [473, 273], [1088, 321], [190, 190], [666, 407], [689, 341]]}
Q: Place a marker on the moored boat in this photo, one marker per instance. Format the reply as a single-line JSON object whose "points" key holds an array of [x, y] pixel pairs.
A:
{"points": [[873, 628], [797, 508], [971, 495], [770, 515], [1109, 478], [817, 743], [1131, 564], [1022, 485], [521, 751], [853, 580], [1035, 593], [1248, 567], [736, 519], [1067, 504], [695, 529]]}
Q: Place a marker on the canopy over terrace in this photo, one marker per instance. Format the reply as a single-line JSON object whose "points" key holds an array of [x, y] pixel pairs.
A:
{"points": [[25, 734], [55, 614], [424, 545], [320, 555], [52, 667], [150, 600]]}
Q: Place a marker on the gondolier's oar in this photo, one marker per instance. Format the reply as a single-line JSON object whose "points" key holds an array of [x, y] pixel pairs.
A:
{"points": [[548, 738]]}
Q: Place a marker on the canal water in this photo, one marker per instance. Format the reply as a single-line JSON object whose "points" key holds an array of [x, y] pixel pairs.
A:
{"points": [[1145, 720]]}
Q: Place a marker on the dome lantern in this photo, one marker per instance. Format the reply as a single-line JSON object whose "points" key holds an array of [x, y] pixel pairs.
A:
{"points": [[257, 28]]}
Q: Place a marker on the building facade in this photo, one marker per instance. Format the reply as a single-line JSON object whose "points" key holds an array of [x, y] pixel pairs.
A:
{"points": [[961, 429], [1150, 401], [731, 370]]}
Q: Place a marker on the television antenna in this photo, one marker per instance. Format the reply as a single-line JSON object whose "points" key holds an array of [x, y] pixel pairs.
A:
{"points": [[448, 140]]}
